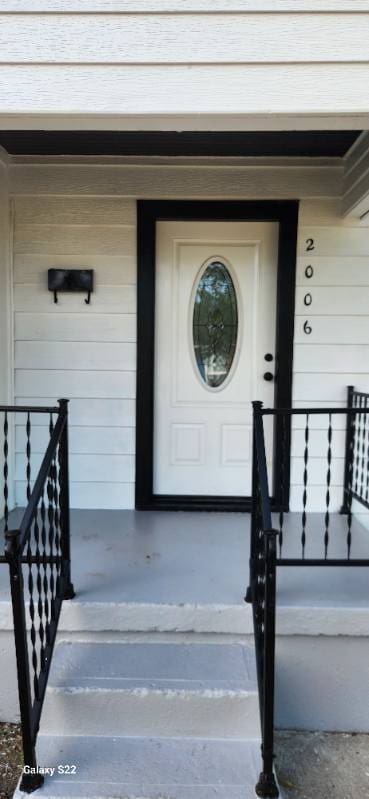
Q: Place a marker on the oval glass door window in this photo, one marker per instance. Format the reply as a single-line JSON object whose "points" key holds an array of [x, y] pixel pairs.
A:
{"points": [[215, 324]]}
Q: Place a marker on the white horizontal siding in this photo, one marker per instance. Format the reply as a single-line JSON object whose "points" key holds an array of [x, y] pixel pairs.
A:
{"points": [[163, 90], [78, 355], [142, 52], [86, 440], [198, 38], [247, 178], [67, 327], [88, 352], [136, 61], [336, 352], [94, 413], [181, 6]]}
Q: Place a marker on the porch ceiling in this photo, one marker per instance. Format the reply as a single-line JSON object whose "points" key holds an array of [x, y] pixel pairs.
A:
{"points": [[333, 143]]}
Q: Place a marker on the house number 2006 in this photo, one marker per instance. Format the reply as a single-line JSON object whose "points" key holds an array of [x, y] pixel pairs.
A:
{"points": [[309, 271]]}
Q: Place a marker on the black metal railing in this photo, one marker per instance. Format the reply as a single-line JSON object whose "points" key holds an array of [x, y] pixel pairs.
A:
{"points": [[262, 594], [330, 452], [356, 476], [38, 554]]}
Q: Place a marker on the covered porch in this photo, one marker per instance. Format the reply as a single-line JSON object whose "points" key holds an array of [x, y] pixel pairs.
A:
{"points": [[179, 567]]}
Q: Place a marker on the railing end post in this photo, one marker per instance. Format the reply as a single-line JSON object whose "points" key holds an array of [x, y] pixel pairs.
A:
{"points": [[69, 592], [267, 787], [63, 404], [248, 595], [31, 782]]}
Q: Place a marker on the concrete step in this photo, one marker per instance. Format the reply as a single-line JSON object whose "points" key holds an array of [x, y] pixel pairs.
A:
{"points": [[149, 768], [153, 689]]}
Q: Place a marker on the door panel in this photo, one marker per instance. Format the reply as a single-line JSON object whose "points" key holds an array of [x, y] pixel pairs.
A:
{"points": [[208, 372]]}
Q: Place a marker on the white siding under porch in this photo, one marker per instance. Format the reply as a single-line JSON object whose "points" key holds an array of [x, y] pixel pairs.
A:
{"points": [[85, 215]]}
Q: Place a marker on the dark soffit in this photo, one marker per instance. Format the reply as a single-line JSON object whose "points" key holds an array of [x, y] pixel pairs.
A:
{"points": [[333, 144]]}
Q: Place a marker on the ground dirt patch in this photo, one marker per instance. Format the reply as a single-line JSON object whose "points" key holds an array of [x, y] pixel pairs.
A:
{"points": [[10, 758], [316, 765]]}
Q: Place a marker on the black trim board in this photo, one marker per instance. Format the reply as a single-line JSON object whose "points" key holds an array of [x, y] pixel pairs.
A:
{"points": [[148, 213]]}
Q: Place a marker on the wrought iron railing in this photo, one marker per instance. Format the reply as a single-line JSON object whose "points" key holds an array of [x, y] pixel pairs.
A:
{"points": [[262, 594], [38, 554], [330, 450], [356, 479]]}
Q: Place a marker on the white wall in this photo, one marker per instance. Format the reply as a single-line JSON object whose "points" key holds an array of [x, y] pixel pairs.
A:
{"points": [[336, 353], [132, 59], [75, 214]]}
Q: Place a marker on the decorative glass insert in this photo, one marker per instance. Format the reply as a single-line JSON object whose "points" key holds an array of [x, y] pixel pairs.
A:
{"points": [[215, 324]]}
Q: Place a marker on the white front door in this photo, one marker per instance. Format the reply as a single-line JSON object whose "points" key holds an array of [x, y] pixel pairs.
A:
{"points": [[215, 319]]}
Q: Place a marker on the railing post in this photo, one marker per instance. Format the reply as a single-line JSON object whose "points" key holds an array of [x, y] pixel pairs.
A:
{"points": [[29, 781], [350, 435], [257, 406], [267, 786], [69, 592]]}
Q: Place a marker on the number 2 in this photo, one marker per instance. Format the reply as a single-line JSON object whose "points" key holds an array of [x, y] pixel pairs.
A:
{"points": [[310, 245]]}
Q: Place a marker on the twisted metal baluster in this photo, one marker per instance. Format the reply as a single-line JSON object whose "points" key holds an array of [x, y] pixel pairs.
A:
{"points": [[50, 514], [6, 472], [28, 455], [282, 484], [42, 634], [352, 422], [305, 482], [328, 482], [357, 450], [32, 613], [363, 449], [57, 539]]}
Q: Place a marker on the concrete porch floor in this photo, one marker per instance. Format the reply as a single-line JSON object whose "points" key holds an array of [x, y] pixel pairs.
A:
{"points": [[177, 558], [145, 577]]}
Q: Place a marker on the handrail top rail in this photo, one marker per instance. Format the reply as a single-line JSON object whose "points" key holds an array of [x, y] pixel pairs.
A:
{"points": [[311, 411], [16, 539], [30, 409]]}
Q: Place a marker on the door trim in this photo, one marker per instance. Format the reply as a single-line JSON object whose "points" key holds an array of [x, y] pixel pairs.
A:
{"points": [[149, 212]]}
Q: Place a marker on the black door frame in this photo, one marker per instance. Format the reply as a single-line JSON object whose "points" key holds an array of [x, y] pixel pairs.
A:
{"points": [[149, 212]]}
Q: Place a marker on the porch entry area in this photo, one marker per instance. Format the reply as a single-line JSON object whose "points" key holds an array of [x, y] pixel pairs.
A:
{"points": [[215, 329]]}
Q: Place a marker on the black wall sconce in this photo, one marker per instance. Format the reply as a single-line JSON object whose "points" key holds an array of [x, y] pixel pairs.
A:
{"points": [[60, 280]]}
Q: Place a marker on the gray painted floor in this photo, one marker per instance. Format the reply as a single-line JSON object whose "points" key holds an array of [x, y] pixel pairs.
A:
{"points": [[201, 558]]}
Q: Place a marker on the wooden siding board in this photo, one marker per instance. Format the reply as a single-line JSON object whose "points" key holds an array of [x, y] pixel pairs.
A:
{"points": [[170, 181], [156, 90], [83, 355], [181, 6], [66, 327], [115, 385], [189, 39], [88, 411], [85, 440], [75, 239], [75, 211]]}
